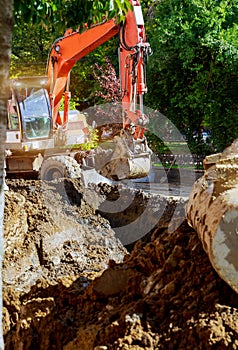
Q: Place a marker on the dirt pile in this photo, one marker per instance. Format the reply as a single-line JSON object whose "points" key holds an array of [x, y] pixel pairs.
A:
{"points": [[52, 232], [70, 284]]}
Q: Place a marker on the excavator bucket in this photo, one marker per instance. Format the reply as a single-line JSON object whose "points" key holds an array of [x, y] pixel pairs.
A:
{"points": [[212, 210], [127, 161], [117, 169], [139, 167], [127, 168]]}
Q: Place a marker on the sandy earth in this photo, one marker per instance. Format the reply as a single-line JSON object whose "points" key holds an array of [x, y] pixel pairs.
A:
{"points": [[69, 283]]}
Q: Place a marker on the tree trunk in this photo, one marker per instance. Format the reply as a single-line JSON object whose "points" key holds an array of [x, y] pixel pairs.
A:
{"points": [[212, 210], [6, 27]]}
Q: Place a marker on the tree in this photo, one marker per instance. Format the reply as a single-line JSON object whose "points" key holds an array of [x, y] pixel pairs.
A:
{"points": [[43, 13], [6, 25], [193, 72]]}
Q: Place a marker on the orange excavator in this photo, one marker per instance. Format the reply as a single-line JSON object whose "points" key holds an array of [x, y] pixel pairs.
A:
{"points": [[40, 136]]}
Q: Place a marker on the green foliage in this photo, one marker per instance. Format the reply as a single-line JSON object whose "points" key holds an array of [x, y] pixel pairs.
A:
{"points": [[72, 104], [93, 140], [193, 72], [69, 14], [156, 144], [30, 48], [84, 84]]}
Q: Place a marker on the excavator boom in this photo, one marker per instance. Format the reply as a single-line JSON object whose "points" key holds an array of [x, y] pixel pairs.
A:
{"points": [[65, 52]]}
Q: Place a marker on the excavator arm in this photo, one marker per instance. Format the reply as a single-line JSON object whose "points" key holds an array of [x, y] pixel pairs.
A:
{"points": [[134, 52]]}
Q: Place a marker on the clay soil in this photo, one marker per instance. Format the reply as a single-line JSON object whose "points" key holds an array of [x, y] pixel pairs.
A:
{"points": [[69, 283]]}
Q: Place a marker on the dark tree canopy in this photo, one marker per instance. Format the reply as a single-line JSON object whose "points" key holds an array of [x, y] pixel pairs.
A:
{"points": [[193, 72]]}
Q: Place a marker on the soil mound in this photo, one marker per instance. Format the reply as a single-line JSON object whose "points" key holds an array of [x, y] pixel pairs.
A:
{"points": [[69, 283]]}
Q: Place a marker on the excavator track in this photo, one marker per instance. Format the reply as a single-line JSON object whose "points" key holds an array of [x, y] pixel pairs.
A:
{"points": [[212, 210]]}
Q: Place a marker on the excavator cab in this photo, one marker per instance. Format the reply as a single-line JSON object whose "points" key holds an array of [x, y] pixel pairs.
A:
{"points": [[29, 123], [35, 115], [29, 111]]}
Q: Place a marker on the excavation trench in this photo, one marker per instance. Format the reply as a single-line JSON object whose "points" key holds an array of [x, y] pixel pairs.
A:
{"points": [[70, 283]]}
